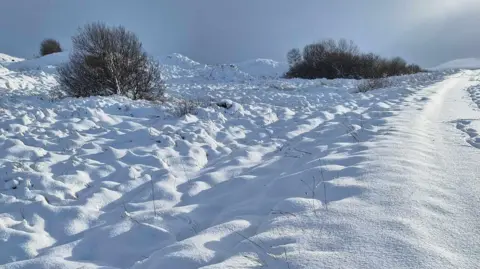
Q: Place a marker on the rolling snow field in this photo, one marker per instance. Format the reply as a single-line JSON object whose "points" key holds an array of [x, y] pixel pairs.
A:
{"points": [[263, 173]]}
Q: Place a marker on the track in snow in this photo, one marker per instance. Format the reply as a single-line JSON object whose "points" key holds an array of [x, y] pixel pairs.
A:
{"points": [[424, 184]]}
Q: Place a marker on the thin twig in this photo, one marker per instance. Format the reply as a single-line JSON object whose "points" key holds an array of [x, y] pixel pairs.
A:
{"points": [[257, 260], [253, 242], [286, 257], [313, 192], [184, 169], [127, 214], [262, 261], [279, 212], [324, 189], [306, 152], [350, 130], [153, 198]]}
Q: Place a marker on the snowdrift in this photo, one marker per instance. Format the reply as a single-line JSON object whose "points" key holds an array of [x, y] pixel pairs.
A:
{"points": [[46, 63], [7, 59]]}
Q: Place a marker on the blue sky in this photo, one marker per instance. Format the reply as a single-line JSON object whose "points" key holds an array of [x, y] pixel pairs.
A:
{"points": [[218, 31]]}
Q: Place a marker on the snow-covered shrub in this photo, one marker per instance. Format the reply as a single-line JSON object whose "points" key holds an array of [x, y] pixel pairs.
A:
{"points": [[186, 107], [414, 68], [373, 84], [49, 46], [190, 106], [342, 59], [107, 61]]}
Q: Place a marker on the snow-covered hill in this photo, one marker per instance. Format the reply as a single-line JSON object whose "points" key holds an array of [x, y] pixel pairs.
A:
{"points": [[265, 173], [180, 66], [174, 66], [467, 63], [263, 68]]}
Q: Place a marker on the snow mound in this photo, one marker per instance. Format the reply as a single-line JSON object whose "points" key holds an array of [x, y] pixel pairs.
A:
{"points": [[175, 66], [263, 68], [7, 59], [180, 60], [225, 72], [467, 63], [46, 63]]}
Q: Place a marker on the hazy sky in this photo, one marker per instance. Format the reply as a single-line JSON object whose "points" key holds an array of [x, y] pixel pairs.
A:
{"points": [[427, 32]]}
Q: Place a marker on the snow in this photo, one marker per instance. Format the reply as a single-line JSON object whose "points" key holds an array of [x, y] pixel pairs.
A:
{"points": [[7, 59], [46, 63], [180, 66], [263, 68], [266, 172], [467, 63], [180, 60]]}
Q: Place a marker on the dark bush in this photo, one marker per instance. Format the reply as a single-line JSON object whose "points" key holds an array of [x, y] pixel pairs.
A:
{"points": [[342, 59], [107, 61], [49, 46], [415, 68]]}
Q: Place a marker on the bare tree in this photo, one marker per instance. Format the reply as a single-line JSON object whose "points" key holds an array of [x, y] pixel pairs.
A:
{"points": [[398, 66], [49, 46], [294, 57], [347, 46], [110, 60], [313, 54]]}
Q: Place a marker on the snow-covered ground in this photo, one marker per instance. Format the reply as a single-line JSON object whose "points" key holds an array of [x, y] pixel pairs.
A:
{"points": [[267, 172], [7, 59]]}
